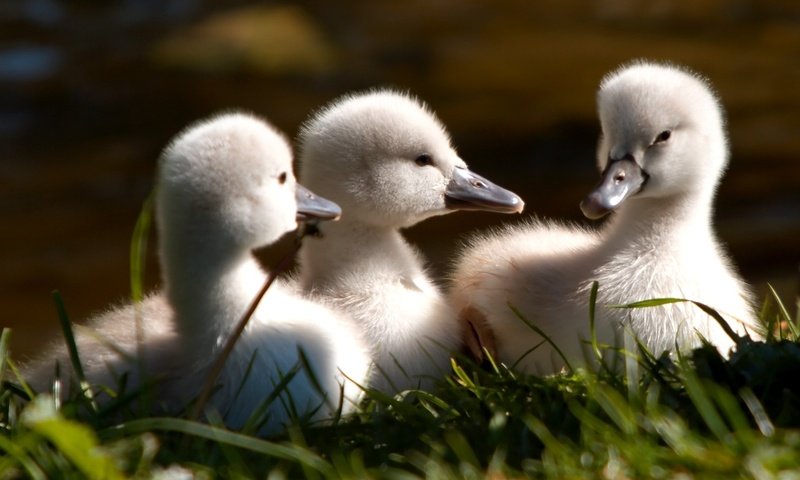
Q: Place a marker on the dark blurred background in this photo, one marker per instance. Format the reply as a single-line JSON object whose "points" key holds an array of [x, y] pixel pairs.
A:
{"points": [[90, 91]]}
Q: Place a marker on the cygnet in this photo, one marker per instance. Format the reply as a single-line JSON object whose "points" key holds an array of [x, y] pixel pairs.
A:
{"points": [[662, 152], [388, 161], [224, 187]]}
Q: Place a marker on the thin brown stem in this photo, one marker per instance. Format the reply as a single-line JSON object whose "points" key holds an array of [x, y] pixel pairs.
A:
{"points": [[219, 362]]}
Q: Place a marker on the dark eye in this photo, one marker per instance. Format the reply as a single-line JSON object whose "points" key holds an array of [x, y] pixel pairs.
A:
{"points": [[662, 137], [424, 160], [282, 178]]}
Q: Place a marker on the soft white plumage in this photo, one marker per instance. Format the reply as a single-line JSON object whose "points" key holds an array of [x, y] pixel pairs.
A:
{"points": [[225, 186], [662, 152], [112, 353], [388, 161]]}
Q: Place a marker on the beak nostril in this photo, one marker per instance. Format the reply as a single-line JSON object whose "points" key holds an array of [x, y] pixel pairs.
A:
{"points": [[478, 184], [620, 177]]}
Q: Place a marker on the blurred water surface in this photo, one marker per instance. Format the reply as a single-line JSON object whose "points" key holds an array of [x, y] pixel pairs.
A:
{"points": [[91, 91]]}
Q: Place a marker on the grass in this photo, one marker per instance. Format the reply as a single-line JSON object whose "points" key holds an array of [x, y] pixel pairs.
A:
{"points": [[698, 415]]}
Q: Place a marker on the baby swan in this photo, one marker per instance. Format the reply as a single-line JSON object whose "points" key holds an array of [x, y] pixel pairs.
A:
{"points": [[225, 187], [387, 160], [661, 153]]}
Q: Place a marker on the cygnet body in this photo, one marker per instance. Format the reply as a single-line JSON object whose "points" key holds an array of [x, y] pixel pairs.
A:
{"points": [[127, 348], [662, 153], [388, 161], [225, 187]]}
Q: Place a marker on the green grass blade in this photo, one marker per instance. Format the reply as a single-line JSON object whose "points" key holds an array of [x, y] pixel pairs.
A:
{"points": [[403, 409], [14, 451], [526, 353], [654, 302], [245, 376], [550, 441], [797, 313], [229, 452], [72, 348], [707, 309], [632, 363], [616, 407], [69, 337], [492, 361], [594, 426], [702, 401], [730, 407], [592, 331], [593, 342], [677, 435], [438, 402], [260, 415], [75, 441], [200, 430], [771, 321], [5, 340], [543, 335], [298, 441], [138, 261], [23, 390], [308, 369], [138, 249], [462, 449], [757, 411], [783, 312], [722, 322], [462, 377]]}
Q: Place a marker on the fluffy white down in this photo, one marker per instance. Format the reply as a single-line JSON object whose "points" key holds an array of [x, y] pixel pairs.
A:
{"points": [[99, 344], [225, 186], [284, 324], [360, 152], [658, 244]]}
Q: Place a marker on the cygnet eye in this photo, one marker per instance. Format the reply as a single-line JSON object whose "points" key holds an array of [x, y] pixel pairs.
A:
{"points": [[662, 137], [424, 160], [282, 178]]}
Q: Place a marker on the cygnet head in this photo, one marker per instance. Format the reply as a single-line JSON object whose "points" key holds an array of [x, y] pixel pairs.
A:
{"points": [[662, 136], [387, 160], [227, 184]]}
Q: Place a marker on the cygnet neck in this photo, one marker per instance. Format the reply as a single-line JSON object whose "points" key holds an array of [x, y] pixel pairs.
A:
{"points": [[664, 222], [351, 245], [210, 286]]}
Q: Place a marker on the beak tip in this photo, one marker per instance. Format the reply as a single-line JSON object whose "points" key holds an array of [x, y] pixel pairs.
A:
{"points": [[469, 191], [610, 193], [592, 209], [313, 208]]}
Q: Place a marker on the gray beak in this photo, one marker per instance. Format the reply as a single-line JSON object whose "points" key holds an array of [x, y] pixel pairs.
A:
{"points": [[470, 191], [312, 207], [621, 179]]}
